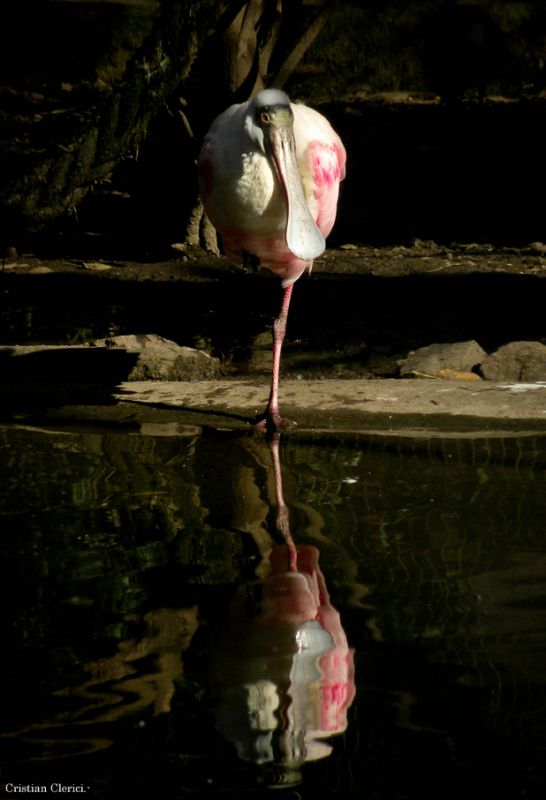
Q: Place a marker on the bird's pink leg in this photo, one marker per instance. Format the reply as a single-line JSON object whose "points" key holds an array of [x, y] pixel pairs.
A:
{"points": [[279, 330], [272, 420]]}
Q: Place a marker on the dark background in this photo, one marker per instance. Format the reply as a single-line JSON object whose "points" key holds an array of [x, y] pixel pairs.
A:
{"points": [[103, 105]]}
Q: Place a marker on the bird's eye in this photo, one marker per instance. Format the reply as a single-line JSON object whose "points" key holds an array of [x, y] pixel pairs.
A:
{"points": [[265, 117]]}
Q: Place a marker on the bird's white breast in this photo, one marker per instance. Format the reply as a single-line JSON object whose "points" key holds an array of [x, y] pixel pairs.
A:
{"points": [[256, 185], [244, 192]]}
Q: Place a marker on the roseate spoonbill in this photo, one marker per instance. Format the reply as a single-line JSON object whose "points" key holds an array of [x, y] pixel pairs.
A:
{"points": [[269, 174]]}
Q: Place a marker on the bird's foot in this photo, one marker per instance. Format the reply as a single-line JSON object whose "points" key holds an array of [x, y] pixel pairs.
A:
{"points": [[271, 422]]}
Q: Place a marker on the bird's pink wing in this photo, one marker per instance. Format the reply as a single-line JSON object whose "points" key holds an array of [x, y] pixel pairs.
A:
{"points": [[323, 156], [328, 162]]}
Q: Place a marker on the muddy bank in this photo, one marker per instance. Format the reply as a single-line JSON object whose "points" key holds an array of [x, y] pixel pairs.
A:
{"points": [[98, 259], [360, 311]]}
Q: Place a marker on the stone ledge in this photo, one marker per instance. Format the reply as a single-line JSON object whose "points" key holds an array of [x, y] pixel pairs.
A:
{"points": [[387, 405]]}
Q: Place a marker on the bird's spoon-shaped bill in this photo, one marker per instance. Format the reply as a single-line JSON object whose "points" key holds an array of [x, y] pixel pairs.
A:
{"points": [[303, 237]]}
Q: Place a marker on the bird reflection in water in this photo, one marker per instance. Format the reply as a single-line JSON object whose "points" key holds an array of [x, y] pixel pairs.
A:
{"points": [[282, 672]]}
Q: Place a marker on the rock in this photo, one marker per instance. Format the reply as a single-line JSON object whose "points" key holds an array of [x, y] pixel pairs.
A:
{"points": [[516, 361], [260, 353], [161, 359], [443, 360]]}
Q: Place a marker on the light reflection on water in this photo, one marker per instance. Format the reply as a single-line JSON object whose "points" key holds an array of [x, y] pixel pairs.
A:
{"points": [[149, 643]]}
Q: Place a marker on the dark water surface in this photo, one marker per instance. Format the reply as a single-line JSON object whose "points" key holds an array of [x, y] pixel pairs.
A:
{"points": [[150, 644]]}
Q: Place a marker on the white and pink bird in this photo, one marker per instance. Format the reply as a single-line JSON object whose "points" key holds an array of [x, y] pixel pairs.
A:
{"points": [[269, 174]]}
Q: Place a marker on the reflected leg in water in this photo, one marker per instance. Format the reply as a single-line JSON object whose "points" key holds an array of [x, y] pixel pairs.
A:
{"points": [[283, 517], [282, 672]]}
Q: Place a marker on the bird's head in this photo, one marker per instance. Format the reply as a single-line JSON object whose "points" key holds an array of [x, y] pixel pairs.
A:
{"points": [[269, 115]]}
